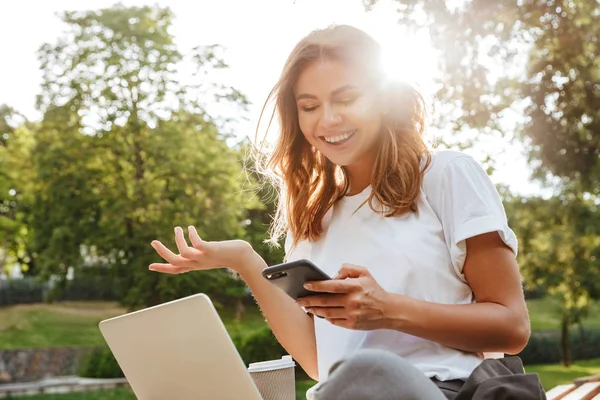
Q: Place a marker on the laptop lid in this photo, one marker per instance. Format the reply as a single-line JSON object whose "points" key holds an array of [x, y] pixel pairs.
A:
{"points": [[179, 350]]}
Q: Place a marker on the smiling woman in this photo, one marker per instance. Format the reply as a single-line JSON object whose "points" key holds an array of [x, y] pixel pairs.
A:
{"points": [[339, 118], [417, 241], [367, 131]]}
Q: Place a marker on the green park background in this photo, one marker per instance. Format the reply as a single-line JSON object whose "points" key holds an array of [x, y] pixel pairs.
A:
{"points": [[125, 151]]}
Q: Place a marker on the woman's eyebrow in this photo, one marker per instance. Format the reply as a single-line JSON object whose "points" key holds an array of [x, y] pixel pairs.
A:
{"points": [[335, 92], [342, 89]]}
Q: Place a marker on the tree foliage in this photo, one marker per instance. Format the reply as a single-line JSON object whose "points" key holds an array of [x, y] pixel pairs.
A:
{"points": [[126, 151], [533, 60], [559, 240], [16, 186]]}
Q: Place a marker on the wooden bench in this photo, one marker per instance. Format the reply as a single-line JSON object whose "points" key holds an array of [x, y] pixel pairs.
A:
{"points": [[587, 388]]}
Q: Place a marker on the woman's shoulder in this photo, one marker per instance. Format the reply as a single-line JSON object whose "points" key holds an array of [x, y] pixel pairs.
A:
{"points": [[441, 160]]}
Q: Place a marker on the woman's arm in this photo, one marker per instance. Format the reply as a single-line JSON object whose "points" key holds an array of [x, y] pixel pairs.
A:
{"points": [[498, 322], [292, 327]]}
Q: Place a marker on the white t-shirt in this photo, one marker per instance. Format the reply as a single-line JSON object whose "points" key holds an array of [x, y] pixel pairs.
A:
{"points": [[410, 255]]}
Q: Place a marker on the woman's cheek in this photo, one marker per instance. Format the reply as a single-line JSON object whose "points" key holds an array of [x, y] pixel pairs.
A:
{"points": [[308, 126]]}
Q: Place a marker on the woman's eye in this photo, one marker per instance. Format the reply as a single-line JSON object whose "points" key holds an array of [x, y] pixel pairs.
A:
{"points": [[309, 109], [347, 102]]}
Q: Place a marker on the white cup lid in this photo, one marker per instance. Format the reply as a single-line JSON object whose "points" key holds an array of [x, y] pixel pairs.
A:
{"points": [[285, 362]]}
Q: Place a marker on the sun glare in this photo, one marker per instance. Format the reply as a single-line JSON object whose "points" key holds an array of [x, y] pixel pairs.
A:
{"points": [[409, 58], [407, 55]]}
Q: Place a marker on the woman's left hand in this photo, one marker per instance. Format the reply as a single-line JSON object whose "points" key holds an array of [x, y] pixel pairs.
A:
{"points": [[353, 299]]}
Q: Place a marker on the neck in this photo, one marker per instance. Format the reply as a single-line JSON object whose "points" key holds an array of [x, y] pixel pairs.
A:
{"points": [[359, 176]]}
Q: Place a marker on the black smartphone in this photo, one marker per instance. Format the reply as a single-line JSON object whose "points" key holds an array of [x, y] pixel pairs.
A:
{"points": [[291, 277]]}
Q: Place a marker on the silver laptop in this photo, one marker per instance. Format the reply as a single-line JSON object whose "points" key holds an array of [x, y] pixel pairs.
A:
{"points": [[179, 350]]}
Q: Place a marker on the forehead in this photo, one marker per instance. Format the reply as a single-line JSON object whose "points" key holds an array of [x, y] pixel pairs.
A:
{"points": [[320, 78]]}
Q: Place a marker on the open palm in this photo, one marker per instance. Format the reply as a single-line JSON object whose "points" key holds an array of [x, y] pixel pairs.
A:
{"points": [[202, 255]]}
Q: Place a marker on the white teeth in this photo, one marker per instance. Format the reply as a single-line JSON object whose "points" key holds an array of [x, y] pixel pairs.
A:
{"points": [[339, 138]]}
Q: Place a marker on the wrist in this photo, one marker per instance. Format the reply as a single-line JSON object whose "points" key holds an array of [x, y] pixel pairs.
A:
{"points": [[249, 262], [397, 310]]}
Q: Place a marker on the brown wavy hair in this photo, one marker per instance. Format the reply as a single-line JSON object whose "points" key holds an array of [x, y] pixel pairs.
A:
{"points": [[308, 184]]}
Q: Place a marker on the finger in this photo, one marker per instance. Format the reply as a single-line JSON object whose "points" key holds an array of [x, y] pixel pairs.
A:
{"points": [[197, 242], [351, 271], [327, 300], [329, 312], [168, 268], [333, 286], [343, 323], [165, 253], [185, 250]]}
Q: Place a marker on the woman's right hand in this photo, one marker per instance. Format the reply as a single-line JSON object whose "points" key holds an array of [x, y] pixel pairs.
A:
{"points": [[201, 255]]}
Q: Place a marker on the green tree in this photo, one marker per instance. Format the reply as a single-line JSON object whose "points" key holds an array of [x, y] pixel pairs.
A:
{"points": [[125, 152], [559, 240], [16, 187], [533, 60], [9, 121]]}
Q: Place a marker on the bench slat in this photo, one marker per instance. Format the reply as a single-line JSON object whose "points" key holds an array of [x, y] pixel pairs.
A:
{"points": [[587, 391], [560, 391]]}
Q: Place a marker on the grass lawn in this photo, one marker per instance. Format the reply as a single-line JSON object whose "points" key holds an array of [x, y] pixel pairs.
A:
{"points": [[555, 374], [545, 314], [112, 394], [54, 325], [75, 324]]}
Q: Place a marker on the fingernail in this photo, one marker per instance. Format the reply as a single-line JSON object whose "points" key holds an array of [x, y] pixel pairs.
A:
{"points": [[308, 286]]}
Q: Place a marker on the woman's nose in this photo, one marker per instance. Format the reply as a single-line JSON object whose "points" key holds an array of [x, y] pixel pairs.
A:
{"points": [[330, 118]]}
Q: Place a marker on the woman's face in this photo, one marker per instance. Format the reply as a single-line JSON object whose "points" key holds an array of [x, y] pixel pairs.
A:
{"points": [[339, 112]]}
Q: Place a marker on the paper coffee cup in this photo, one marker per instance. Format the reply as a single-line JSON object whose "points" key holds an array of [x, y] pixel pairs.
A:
{"points": [[275, 379]]}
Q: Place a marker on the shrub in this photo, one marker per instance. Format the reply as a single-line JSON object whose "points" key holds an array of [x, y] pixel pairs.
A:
{"points": [[257, 345], [544, 347], [100, 363]]}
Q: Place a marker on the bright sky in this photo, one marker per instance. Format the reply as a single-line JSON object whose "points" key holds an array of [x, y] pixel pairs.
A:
{"points": [[257, 35]]}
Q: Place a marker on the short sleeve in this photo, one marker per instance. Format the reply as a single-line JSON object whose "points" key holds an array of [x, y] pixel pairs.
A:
{"points": [[470, 206]]}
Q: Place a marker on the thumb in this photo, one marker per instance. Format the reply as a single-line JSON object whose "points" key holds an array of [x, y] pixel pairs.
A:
{"points": [[351, 271]]}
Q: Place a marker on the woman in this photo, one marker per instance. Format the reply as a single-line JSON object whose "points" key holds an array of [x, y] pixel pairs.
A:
{"points": [[425, 261]]}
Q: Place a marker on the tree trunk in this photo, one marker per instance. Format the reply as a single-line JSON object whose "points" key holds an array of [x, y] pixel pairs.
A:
{"points": [[5, 245], [4, 254], [239, 309], [565, 341]]}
